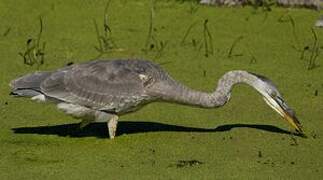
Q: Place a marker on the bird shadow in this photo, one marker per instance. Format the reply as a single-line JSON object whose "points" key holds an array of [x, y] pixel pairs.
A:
{"points": [[99, 130]]}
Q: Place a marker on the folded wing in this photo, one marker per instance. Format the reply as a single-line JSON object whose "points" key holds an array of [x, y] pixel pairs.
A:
{"points": [[95, 84]]}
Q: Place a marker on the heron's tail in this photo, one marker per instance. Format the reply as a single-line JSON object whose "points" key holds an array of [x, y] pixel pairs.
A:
{"points": [[28, 85]]}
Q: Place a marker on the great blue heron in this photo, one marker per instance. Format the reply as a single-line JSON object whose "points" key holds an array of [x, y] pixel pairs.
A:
{"points": [[102, 90]]}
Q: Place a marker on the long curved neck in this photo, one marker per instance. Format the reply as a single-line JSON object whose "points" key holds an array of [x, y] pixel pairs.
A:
{"points": [[176, 92]]}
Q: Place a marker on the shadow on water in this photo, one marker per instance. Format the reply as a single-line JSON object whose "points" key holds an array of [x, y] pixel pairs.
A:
{"points": [[99, 130]]}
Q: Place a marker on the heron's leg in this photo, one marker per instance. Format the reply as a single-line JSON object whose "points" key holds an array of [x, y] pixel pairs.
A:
{"points": [[85, 122], [87, 115], [112, 126], [111, 119]]}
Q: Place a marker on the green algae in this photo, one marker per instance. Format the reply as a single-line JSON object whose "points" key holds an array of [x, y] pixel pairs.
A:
{"points": [[150, 142]]}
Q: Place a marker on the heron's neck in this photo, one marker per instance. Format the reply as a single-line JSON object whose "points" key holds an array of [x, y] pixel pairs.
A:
{"points": [[184, 95]]}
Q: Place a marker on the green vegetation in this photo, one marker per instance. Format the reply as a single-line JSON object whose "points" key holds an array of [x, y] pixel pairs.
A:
{"points": [[244, 139], [153, 44], [34, 53], [105, 41]]}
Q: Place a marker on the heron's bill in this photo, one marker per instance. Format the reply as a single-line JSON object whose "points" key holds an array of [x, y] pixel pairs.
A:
{"points": [[279, 106], [292, 120]]}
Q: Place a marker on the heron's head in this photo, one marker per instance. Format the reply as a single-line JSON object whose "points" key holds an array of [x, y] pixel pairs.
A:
{"points": [[274, 99]]}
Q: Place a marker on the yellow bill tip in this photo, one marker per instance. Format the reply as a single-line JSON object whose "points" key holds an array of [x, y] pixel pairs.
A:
{"points": [[295, 124]]}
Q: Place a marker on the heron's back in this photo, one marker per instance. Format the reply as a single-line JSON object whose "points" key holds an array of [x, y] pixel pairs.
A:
{"points": [[111, 85]]}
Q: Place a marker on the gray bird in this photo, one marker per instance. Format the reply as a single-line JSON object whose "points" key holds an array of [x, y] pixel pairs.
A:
{"points": [[102, 90]]}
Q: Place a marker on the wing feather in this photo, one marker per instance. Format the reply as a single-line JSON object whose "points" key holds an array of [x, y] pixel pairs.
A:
{"points": [[94, 84]]}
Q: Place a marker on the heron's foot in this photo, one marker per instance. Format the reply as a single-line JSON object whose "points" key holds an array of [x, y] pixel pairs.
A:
{"points": [[84, 123], [112, 126]]}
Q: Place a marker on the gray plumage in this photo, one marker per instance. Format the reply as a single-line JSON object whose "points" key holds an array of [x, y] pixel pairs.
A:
{"points": [[104, 89]]}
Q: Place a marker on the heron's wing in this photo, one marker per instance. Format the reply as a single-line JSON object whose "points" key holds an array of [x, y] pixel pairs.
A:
{"points": [[94, 84]]}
